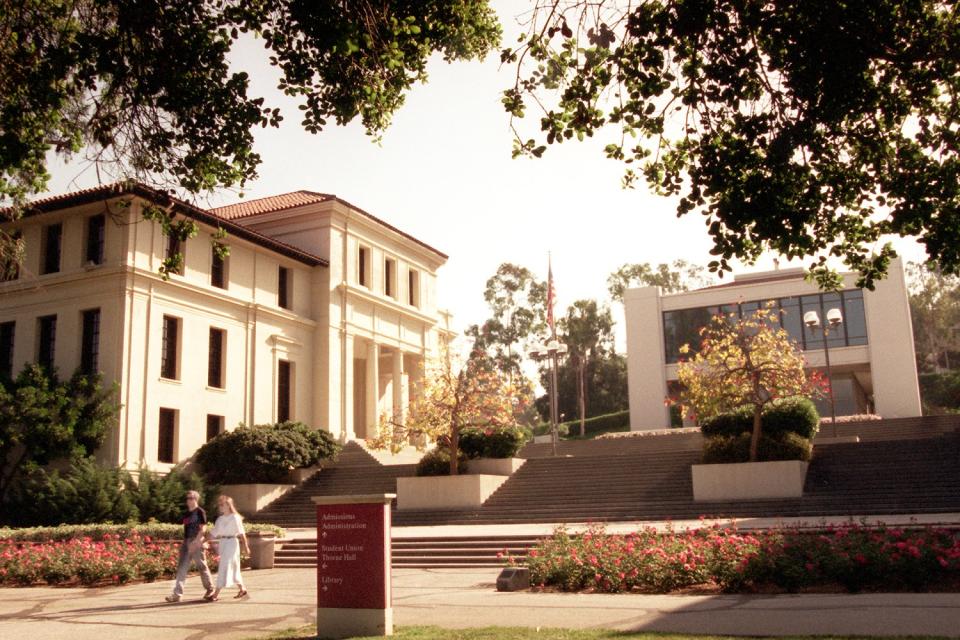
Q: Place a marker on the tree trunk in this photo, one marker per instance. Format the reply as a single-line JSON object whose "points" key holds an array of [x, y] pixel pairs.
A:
{"points": [[454, 450], [755, 436]]}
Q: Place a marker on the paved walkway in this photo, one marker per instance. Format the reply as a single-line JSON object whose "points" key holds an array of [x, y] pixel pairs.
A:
{"points": [[284, 598]]}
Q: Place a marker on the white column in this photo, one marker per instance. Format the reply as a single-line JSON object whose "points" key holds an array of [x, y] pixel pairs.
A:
{"points": [[348, 428], [646, 375], [399, 407], [373, 387]]}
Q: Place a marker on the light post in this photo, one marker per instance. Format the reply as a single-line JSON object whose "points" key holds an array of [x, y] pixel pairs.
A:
{"points": [[834, 320], [551, 350]]}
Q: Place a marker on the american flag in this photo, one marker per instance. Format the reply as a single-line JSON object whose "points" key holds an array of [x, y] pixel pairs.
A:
{"points": [[551, 297]]}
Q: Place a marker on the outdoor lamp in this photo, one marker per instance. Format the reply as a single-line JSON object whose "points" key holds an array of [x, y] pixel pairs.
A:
{"points": [[834, 317], [834, 320], [550, 350]]}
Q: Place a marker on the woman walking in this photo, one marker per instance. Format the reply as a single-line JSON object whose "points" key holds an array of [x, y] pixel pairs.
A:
{"points": [[229, 534]]}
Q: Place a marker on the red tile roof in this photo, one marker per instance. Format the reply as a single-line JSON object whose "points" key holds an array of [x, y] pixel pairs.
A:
{"points": [[112, 190], [300, 198], [267, 205]]}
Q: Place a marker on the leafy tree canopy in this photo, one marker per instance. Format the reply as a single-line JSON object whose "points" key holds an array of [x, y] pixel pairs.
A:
{"points": [[935, 311], [146, 88], [812, 129], [741, 362], [43, 419], [517, 301], [678, 276], [454, 397]]}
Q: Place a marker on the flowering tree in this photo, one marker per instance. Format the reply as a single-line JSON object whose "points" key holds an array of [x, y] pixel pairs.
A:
{"points": [[748, 361], [453, 398]]}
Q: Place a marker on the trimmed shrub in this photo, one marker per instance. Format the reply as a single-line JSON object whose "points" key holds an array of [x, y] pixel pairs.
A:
{"points": [[263, 453], [729, 424], [491, 443], [787, 415], [791, 415], [725, 449], [436, 462]]}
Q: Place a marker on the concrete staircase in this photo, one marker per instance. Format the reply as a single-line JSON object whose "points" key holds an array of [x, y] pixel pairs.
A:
{"points": [[906, 466], [354, 471]]}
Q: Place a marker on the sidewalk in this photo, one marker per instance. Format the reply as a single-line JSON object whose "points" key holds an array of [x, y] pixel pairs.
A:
{"points": [[285, 598]]}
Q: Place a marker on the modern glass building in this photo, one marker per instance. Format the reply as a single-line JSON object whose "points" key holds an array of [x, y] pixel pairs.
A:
{"points": [[871, 351]]}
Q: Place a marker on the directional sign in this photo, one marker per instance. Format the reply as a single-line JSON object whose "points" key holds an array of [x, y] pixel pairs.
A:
{"points": [[353, 556]]}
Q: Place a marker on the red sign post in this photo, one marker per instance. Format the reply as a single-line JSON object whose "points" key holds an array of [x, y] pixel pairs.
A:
{"points": [[353, 566]]}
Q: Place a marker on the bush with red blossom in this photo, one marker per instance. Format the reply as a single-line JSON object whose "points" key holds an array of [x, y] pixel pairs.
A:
{"points": [[113, 559], [851, 557]]}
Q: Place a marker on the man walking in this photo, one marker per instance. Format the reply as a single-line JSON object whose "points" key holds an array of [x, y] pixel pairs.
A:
{"points": [[191, 550]]}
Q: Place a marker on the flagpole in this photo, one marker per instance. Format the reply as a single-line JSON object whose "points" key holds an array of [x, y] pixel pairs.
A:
{"points": [[554, 391]]}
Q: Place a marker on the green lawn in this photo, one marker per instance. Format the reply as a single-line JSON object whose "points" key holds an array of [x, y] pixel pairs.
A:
{"points": [[513, 633]]}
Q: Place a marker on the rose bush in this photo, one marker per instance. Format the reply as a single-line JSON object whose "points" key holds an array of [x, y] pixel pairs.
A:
{"points": [[112, 559], [852, 557]]}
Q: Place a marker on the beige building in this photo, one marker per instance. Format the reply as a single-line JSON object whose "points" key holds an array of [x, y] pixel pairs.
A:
{"points": [[871, 352], [321, 313]]}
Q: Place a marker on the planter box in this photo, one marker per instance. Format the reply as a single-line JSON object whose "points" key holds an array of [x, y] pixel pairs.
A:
{"points": [[299, 476], [749, 480], [494, 466], [250, 498], [446, 492]]}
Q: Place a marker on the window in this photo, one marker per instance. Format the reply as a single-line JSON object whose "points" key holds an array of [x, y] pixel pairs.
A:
{"points": [[413, 288], [218, 270], [7, 332], [283, 288], [96, 228], [683, 325], [854, 318], [51, 248], [215, 368], [284, 380], [363, 267], [214, 426], [174, 248], [46, 347], [389, 277], [90, 341], [170, 348], [167, 435]]}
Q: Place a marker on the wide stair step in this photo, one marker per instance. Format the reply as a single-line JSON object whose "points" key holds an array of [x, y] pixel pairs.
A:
{"points": [[426, 552]]}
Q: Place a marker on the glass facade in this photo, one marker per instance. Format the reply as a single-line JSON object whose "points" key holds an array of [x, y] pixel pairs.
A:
{"points": [[683, 326]]}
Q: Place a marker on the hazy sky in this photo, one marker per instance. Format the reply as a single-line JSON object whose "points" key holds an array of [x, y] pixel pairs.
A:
{"points": [[444, 174]]}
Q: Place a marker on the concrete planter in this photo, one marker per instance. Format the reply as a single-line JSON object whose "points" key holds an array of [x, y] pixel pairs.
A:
{"points": [[299, 476], [250, 498], [447, 492], [494, 466], [748, 480], [261, 549]]}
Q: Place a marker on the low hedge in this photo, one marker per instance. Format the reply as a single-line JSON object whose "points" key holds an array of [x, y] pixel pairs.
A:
{"points": [[96, 532], [596, 425], [787, 415], [724, 449], [492, 443]]}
